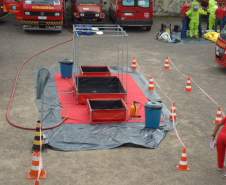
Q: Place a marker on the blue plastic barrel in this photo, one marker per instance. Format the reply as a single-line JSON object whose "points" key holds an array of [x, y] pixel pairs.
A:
{"points": [[153, 114], [66, 67]]}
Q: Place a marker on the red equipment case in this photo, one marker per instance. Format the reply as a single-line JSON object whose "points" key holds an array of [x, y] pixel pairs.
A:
{"points": [[107, 110]]}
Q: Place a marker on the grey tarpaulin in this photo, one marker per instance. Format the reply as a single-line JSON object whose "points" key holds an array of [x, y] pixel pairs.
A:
{"points": [[42, 78], [71, 137]]}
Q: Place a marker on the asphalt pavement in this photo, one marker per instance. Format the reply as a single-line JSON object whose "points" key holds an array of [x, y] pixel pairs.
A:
{"points": [[124, 165]]}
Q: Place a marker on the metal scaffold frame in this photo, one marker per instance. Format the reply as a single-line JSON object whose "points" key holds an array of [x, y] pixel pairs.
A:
{"points": [[102, 32]]}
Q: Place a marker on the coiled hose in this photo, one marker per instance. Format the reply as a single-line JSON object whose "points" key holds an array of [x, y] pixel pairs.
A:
{"points": [[14, 87]]}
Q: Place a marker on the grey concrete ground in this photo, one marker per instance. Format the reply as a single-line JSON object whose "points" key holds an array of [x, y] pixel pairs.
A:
{"points": [[125, 165]]}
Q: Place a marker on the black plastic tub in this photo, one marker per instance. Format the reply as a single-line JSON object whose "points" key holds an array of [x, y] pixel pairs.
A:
{"points": [[99, 88], [95, 71], [106, 104]]}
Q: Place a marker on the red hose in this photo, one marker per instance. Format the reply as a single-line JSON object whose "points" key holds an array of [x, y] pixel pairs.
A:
{"points": [[14, 86]]}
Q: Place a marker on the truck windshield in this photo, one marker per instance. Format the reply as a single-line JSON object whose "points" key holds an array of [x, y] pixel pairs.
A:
{"points": [[128, 2], [139, 3], [89, 1], [53, 2], [143, 3]]}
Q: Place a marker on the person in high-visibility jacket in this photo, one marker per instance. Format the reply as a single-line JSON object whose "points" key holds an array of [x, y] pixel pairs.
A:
{"points": [[212, 13], [221, 144], [194, 14]]}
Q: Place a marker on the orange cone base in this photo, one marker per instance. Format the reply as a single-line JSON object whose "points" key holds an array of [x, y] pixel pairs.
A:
{"points": [[34, 175], [183, 168], [134, 68], [167, 68], [188, 90], [171, 118], [36, 182], [217, 122]]}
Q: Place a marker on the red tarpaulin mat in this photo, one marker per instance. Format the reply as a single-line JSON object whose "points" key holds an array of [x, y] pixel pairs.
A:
{"points": [[78, 114]]}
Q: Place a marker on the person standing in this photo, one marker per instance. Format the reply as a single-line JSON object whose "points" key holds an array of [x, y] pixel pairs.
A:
{"points": [[212, 14], [204, 19], [221, 144], [185, 19], [224, 20], [194, 14], [219, 16]]}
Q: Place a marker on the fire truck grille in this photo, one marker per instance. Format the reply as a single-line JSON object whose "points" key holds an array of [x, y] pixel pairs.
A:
{"points": [[89, 15], [42, 13], [47, 23]]}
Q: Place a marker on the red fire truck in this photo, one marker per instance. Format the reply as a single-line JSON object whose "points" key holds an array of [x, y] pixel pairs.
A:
{"points": [[38, 14], [132, 12], [1, 8], [221, 49], [88, 10]]}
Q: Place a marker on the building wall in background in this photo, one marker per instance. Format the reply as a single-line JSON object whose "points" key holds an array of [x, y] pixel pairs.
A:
{"points": [[168, 7]]}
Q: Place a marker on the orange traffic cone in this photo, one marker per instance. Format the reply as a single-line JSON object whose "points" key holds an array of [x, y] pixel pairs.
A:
{"points": [[151, 85], [183, 164], [36, 182], [167, 64], [37, 171], [134, 63], [219, 116], [188, 87], [173, 114]]}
